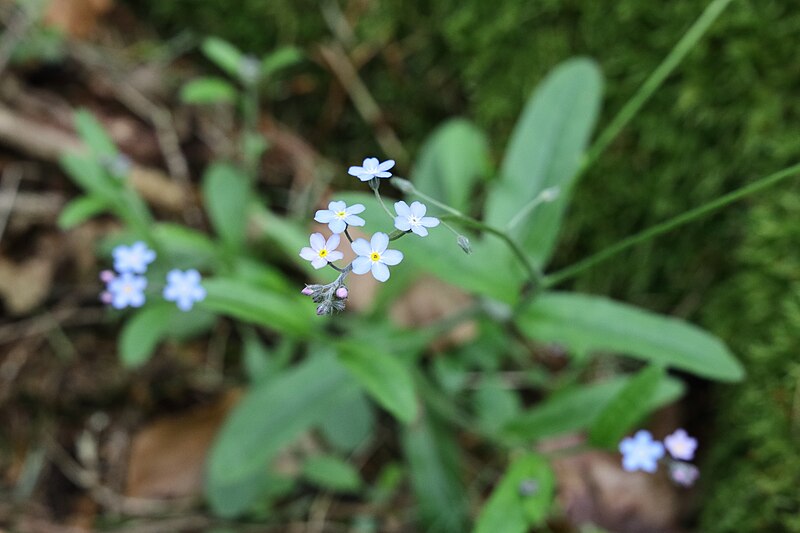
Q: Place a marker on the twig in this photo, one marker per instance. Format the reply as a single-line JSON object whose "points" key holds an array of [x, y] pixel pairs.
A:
{"points": [[12, 176], [336, 58]]}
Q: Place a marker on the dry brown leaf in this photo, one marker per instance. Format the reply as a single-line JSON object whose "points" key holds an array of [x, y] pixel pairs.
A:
{"points": [[167, 456], [25, 285], [77, 18]]}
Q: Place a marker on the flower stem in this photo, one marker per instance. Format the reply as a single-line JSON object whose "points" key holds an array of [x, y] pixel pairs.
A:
{"points": [[347, 234], [668, 225], [383, 205]]}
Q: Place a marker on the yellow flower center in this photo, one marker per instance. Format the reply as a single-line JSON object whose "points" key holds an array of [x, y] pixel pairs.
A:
{"points": [[127, 289], [375, 256], [323, 252], [341, 214]]}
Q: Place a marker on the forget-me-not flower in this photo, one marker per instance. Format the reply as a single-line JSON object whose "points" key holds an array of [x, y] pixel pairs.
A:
{"points": [[133, 258], [373, 256], [321, 252], [680, 445], [641, 452], [184, 288], [338, 216], [126, 290], [413, 218], [372, 168], [683, 474]]}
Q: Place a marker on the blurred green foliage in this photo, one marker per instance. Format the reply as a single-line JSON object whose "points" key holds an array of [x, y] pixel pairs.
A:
{"points": [[729, 114]]}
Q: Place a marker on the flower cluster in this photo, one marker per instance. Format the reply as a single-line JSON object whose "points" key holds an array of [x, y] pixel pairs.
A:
{"points": [[372, 255], [126, 285], [642, 452]]}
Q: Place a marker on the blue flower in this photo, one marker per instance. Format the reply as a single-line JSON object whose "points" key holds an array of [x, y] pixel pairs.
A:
{"points": [[127, 290], [338, 216], [680, 445], [372, 168], [133, 258], [373, 256], [321, 251], [413, 218], [184, 288], [641, 452]]}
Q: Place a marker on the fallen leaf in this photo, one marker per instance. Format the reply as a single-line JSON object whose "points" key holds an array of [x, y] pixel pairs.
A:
{"points": [[77, 18]]}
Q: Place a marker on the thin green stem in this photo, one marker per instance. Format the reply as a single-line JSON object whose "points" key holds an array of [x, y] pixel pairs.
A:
{"points": [[669, 225], [654, 81], [383, 205]]}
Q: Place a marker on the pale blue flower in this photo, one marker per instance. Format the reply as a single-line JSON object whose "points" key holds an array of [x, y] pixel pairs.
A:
{"points": [[338, 216], [321, 252], [413, 218], [372, 168], [184, 288], [126, 290], [684, 474], [373, 256], [133, 258], [680, 445], [641, 452]]}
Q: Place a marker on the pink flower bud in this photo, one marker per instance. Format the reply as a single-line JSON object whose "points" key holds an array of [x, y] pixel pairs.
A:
{"points": [[341, 293], [106, 276], [106, 297], [307, 291]]}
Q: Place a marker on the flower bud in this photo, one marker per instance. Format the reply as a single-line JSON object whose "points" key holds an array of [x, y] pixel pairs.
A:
{"points": [[106, 297], [463, 242], [683, 474], [106, 276], [528, 487], [550, 194], [341, 292], [307, 291], [323, 309], [403, 185]]}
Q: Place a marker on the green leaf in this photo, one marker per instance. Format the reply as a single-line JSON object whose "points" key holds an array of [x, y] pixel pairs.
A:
{"points": [[91, 177], [521, 500], [226, 194], [581, 322], [350, 422], [256, 357], [94, 135], [495, 405], [251, 303], [577, 408], [434, 464], [224, 55], [208, 90], [627, 408], [143, 332], [384, 376], [452, 160], [185, 247], [270, 416], [331, 473], [80, 210], [545, 150], [281, 58]]}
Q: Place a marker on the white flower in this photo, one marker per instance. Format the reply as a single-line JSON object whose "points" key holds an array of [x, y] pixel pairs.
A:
{"points": [[413, 218], [372, 168], [680, 445], [184, 288], [338, 216], [374, 256], [133, 259], [321, 252]]}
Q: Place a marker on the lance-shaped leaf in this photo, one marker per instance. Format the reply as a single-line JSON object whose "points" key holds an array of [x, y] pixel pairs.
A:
{"points": [[226, 195], [546, 150], [581, 323]]}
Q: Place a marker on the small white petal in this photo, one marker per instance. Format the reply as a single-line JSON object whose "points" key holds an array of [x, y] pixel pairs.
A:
{"points": [[319, 262], [333, 242], [317, 241], [365, 176], [337, 206], [380, 271], [430, 222], [334, 256], [306, 253], [402, 209], [355, 209], [337, 225], [386, 165], [354, 220], [391, 257], [379, 242], [355, 171], [419, 230], [418, 209], [324, 216], [402, 223], [361, 247], [383, 174], [361, 265], [370, 164]]}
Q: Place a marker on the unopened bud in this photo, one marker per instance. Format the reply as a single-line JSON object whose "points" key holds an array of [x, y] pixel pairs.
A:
{"points": [[528, 487], [106, 297], [341, 293], [403, 185], [106, 276], [307, 291], [683, 474], [322, 309], [548, 195], [463, 242]]}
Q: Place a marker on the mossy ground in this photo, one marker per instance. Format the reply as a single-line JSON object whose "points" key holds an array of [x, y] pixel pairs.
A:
{"points": [[728, 115]]}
